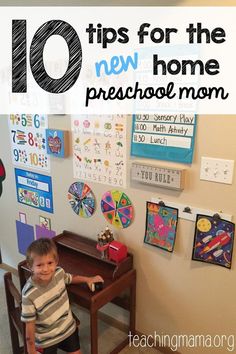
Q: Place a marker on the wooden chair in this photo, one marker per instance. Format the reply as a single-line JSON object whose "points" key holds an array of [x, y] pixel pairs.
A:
{"points": [[17, 328]]}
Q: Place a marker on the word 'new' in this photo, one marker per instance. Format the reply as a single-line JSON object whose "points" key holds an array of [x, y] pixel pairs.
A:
{"points": [[117, 64]]}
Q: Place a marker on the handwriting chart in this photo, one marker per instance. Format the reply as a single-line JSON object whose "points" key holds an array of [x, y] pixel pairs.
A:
{"points": [[28, 141], [164, 136], [99, 148]]}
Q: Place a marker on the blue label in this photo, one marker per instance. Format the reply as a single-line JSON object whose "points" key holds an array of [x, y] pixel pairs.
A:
{"points": [[34, 189]]}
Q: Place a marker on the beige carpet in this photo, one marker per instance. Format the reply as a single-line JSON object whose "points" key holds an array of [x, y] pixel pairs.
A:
{"points": [[109, 336]]}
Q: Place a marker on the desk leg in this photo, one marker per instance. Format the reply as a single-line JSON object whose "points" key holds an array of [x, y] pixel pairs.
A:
{"points": [[132, 308], [94, 331]]}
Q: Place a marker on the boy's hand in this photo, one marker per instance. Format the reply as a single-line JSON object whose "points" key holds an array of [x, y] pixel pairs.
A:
{"points": [[93, 280]]}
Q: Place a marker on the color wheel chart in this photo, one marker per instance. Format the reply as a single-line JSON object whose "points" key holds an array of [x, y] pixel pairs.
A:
{"points": [[117, 208], [81, 199]]}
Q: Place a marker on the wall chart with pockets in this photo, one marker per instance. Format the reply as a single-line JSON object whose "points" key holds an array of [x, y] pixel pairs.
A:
{"points": [[28, 141], [117, 208], [99, 148], [81, 199], [167, 137]]}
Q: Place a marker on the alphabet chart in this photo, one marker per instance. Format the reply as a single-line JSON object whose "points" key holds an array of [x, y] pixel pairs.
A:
{"points": [[164, 136], [28, 141], [99, 148]]}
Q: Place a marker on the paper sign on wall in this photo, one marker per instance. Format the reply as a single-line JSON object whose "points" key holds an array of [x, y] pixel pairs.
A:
{"points": [[167, 137], [99, 148], [28, 141], [34, 189]]}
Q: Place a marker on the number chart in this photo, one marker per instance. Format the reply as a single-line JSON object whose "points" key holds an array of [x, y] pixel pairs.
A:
{"points": [[28, 141], [99, 148]]}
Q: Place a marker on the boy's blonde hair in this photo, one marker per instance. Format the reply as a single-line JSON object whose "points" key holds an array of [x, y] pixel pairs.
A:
{"points": [[40, 247]]}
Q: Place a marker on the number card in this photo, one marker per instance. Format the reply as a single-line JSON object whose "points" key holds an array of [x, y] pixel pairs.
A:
{"points": [[168, 137], [28, 141]]}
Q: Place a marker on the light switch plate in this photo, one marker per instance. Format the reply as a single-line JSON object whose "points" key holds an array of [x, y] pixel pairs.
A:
{"points": [[217, 170]]}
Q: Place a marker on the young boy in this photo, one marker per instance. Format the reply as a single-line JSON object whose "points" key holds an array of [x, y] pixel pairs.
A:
{"points": [[45, 304]]}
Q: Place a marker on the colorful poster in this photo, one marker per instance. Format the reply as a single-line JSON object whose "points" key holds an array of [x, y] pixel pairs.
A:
{"points": [[34, 189], [45, 222], [117, 208], [99, 148], [81, 199], [57, 142], [213, 240], [167, 137], [161, 225], [28, 141]]}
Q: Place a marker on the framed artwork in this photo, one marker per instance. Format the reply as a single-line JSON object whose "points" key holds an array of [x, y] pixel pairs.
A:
{"points": [[213, 240], [57, 142], [117, 208], [161, 225], [45, 222]]}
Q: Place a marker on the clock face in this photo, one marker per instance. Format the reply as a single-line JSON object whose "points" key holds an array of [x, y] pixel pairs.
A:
{"points": [[117, 208], [81, 199]]}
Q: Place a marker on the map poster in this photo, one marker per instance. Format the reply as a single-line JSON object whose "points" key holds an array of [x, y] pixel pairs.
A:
{"points": [[168, 137], [99, 148], [28, 141]]}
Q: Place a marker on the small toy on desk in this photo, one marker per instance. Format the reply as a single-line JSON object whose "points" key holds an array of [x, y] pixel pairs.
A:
{"points": [[117, 251]]}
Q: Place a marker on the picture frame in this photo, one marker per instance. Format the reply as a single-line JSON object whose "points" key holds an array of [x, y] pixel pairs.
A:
{"points": [[57, 142], [45, 222], [213, 240]]}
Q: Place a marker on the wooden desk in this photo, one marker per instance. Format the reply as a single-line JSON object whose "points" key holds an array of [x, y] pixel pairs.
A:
{"points": [[78, 255]]}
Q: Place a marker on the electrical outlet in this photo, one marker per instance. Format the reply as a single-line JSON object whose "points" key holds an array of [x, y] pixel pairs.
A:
{"points": [[217, 170]]}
